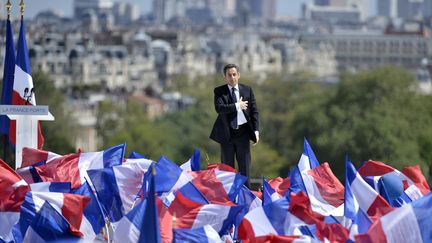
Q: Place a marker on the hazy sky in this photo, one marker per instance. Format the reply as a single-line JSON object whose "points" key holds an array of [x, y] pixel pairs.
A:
{"points": [[285, 7]]}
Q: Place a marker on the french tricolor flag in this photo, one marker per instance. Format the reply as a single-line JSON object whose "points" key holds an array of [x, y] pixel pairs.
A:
{"points": [[42, 224], [142, 223], [190, 191], [271, 219], [218, 186], [249, 201], [307, 162], [409, 223], [192, 215], [368, 199], [354, 218], [318, 181], [31, 156], [117, 187], [12, 193], [70, 206], [73, 167], [169, 177], [93, 218], [411, 175], [23, 89], [269, 194], [324, 190]]}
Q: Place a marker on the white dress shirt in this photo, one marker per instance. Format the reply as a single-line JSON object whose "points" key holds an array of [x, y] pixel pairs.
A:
{"points": [[241, 119]]}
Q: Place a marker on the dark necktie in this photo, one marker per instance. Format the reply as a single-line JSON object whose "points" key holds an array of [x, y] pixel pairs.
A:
{"points": [[234, 99]]}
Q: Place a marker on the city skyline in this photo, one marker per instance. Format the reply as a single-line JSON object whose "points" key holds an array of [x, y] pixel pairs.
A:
{"points": [[284, 7]]}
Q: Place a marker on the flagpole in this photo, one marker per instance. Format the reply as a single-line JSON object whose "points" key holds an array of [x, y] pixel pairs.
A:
{"points": [[5, 137], [22, 6], [8, 9]]}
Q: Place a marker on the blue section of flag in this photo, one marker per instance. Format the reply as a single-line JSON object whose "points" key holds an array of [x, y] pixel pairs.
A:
{"points": [[307, 150], [196, 160], [238, 183], [150, 229], [64, 187], [308, 230], [136, 155], [230, 219], [277, 212], [350, 172], [114, 155], [267, 193], [22, 59], [107, 192], [191, 192], [8, 76], [370, 180], [27, 214], [423, 212], [296, 181], [167, 175], [362, 221], [349, 203]]}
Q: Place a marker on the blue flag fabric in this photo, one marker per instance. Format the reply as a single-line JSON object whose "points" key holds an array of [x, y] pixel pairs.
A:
{"points": [[150, 230], [8, 76]]}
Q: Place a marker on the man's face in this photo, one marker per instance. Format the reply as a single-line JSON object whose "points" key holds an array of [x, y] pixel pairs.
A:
{"points": [[232, 76]]}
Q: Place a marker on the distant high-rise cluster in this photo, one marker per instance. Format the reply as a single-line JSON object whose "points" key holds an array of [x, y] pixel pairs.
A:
{"points": [[404, 8], [213, 10]]}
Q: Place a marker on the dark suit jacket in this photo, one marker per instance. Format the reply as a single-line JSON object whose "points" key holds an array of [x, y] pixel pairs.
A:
{"points": [[226, 111]]}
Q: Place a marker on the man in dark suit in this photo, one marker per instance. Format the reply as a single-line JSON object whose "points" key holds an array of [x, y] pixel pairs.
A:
{"points": [[237, 122]]}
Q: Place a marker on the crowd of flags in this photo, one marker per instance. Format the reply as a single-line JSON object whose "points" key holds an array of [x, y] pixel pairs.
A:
{"points": [[107, 196]]}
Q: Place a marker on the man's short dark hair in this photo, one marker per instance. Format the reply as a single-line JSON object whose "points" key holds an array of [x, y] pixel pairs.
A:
{"points": [[229, 66]]}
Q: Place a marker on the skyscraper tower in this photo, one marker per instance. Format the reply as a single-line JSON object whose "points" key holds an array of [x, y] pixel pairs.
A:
{"points": [[410, 8], [387, 8], [159, 11], [262, 10], [427, 8]]}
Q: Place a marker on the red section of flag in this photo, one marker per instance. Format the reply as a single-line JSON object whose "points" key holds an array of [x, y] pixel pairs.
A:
{"points": [[330, 188], [12, 189], [62, 169]]}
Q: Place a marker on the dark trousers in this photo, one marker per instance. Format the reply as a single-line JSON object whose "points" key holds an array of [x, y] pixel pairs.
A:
{"points": [[238, 147]]}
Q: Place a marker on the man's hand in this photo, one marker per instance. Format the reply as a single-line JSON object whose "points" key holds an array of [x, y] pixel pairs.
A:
{"points": [[243, 104], [257, 138]]}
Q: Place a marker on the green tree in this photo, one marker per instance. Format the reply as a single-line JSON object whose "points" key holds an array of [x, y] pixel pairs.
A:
{"points": [[60, 135], [372, 115]]}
